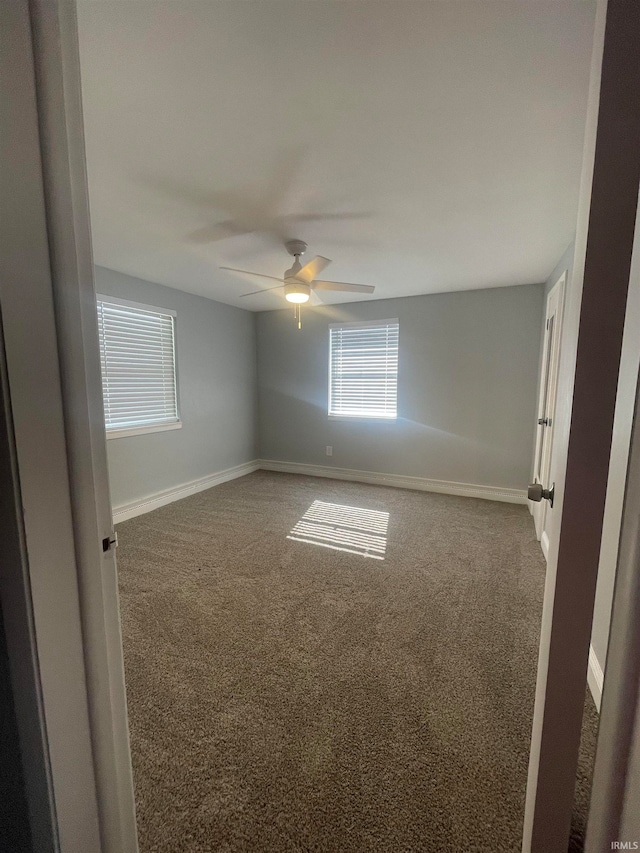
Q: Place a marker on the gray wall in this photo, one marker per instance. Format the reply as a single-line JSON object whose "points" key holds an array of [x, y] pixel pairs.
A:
{"points": [[216, 362], [466, 397]]}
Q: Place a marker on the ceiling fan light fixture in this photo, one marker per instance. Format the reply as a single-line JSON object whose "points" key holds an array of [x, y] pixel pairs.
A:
{"points": [[298, 282], [297, 292]]}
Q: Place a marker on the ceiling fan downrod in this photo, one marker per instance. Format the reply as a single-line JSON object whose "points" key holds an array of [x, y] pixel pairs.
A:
{"points": [[297, 248]]}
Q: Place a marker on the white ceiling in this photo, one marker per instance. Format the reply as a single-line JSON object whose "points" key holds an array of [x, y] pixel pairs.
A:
{"points": [[442, 140]]}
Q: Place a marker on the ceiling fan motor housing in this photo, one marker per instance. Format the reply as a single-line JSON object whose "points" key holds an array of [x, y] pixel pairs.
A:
{"points": [[296, 247]]}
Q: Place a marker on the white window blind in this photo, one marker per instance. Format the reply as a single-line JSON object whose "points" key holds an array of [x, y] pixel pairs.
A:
{"points": [[363, 370], [137, 357]]}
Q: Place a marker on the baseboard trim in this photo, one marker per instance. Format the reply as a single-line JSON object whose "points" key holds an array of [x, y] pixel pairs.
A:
{"points": [[544, 544], [126, 511], [422, 484], [595, 678]]}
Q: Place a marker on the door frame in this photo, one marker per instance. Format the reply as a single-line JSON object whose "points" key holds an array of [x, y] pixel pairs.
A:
{"points": [[550, 369], [614, 814], [53, 385], [45, 636], [593, 326], [19, 632]]}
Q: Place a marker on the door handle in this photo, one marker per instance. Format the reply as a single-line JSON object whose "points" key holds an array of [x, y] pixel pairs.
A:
{"points": [[536, 492]]}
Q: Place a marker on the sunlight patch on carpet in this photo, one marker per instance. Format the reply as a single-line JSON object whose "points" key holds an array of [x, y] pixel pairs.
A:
{"points": [[344, 528]]}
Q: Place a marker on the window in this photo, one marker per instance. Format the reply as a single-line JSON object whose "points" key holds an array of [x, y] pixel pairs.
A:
{"points": [[363, 369], [138, 361]]}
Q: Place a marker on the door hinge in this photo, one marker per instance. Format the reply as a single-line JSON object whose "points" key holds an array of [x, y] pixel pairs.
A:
{"points": [[110, 543]]}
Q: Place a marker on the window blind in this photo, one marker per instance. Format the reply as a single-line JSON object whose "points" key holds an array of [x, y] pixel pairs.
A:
{"points": [[363, 370], [137, 357]]}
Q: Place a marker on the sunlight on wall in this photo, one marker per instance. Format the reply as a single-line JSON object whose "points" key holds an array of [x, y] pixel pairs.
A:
{"points": [[344, 528]]}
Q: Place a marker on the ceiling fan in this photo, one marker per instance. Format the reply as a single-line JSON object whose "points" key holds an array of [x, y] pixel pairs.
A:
{"points": [[299, 281]]}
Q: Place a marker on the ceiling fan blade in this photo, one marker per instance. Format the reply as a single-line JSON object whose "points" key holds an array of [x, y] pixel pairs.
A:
{"points": [[248, 272], [265, 290], [312, 269], [343, 285]]}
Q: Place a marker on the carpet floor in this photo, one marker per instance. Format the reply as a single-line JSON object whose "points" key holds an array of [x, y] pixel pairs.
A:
{"points": [[323, 666]]}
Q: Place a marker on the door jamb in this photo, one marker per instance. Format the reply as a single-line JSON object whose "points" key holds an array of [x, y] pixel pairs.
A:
{"points": [[46, 288], [46, 568], [19, 631], [617, 765]]}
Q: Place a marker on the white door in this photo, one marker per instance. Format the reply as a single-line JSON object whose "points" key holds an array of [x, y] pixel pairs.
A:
{"points": [[547, 404], [50, 336]]}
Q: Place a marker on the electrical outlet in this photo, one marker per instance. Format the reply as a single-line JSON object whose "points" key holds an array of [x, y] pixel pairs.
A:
{"points": [[329, 450]]}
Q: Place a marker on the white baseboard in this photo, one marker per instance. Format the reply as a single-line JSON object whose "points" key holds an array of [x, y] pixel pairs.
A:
{"points": [[595, 678], [151, 502], [491, 493], [544, 544], [125, 511]]}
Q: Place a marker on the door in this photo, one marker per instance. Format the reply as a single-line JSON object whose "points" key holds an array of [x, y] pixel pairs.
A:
{"points": [[47, 296], [547, 403]]}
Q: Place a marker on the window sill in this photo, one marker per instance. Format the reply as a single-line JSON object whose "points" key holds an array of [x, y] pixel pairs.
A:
{"points": [[142, 430], [362, 419]]}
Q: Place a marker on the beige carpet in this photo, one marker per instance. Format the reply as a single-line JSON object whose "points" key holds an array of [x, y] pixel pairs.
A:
{"points": [[286, 696]]}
